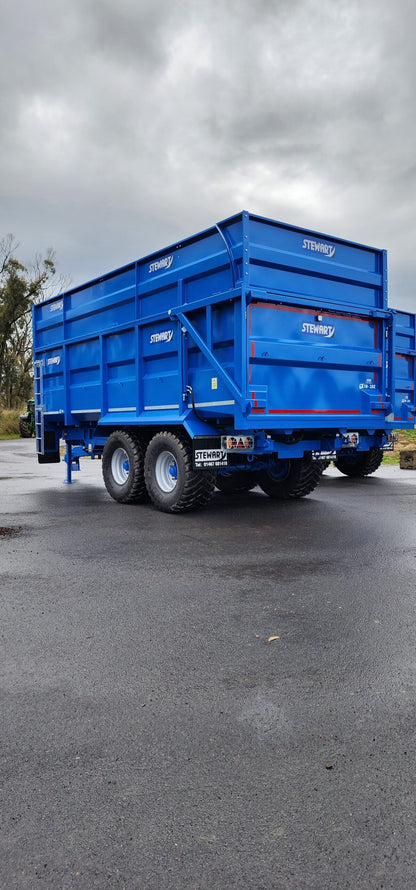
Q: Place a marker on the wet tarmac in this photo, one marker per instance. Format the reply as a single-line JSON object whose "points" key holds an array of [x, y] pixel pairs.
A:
{"points": [[208, 701]]}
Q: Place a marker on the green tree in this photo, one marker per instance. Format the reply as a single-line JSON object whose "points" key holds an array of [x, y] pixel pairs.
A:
{"points": [[19, 288]]}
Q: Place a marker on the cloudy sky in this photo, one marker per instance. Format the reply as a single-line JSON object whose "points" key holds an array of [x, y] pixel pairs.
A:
{"points": [[127, 125]]}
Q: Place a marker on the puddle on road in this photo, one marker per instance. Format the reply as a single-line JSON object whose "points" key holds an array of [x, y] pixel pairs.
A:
{"points": [[285, 568]]}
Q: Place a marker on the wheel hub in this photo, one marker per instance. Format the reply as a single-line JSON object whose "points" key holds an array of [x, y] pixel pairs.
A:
{"points": [[166, 471], [279, 470], [120, 466]]}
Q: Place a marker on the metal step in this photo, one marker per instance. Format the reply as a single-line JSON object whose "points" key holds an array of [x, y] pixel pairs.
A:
{"points": [[39, 407]]}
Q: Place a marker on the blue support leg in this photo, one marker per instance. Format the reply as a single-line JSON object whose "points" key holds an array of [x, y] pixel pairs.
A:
{"points": [[71, 458], [68, 458]]}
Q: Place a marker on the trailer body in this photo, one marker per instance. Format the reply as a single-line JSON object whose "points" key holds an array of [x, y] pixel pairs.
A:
{"points": [[253, 342]]}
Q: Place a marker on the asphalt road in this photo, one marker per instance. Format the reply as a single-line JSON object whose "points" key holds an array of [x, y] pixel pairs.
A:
{"points": [[212, 701]]}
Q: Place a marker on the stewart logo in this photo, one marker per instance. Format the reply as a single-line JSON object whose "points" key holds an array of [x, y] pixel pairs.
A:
{"points": [[162, 337], [164, 263], [319, 247], [57, 306], [324, 330]]}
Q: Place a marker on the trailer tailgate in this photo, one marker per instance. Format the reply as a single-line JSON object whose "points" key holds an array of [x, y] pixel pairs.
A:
{"points": [[306, 364]]}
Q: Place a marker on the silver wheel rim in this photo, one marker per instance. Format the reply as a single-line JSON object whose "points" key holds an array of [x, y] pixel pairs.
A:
{"points": [[120, 466], [166, 471]]}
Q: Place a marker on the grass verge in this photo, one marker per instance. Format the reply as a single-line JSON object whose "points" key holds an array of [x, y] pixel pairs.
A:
{"points": [[405, 440], [9, 424]]}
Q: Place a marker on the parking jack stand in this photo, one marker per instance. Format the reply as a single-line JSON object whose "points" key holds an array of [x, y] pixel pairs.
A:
{"points": [[72, 463]]}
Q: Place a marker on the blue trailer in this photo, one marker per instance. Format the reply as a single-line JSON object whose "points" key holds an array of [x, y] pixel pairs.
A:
{"points": [[245, 355]]}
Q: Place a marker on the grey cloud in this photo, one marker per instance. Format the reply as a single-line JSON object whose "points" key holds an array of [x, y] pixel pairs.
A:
{"points": [[127, 126], [129, 33]]}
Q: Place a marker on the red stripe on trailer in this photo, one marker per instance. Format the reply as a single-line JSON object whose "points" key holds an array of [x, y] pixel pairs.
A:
{"points": [[309, 411]]}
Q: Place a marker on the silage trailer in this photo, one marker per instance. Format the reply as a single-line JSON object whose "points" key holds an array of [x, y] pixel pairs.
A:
{"points": [[248, 354]]}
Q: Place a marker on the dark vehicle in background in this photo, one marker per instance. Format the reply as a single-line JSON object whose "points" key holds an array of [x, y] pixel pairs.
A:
{"points": [[27, 421]]}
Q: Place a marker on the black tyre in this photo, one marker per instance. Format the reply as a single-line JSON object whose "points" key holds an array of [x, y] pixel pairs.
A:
{"points": [[123, 467], [172, 483], [239, 481], [361, 464], [291, 478], [24, 428]]}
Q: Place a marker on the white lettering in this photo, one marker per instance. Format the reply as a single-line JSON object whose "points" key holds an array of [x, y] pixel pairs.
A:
{"points": [[162, 337], [319, 247], [323, 330], [164, 263], [54, 307]]}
